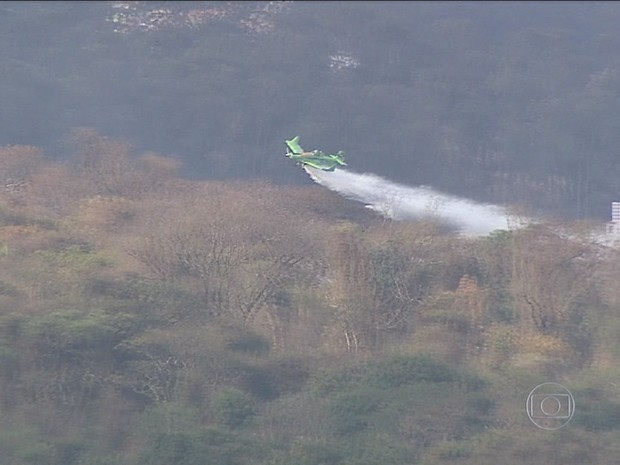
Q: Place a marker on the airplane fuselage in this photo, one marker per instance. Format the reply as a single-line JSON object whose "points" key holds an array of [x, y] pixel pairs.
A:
{"points": [[316, 158]]}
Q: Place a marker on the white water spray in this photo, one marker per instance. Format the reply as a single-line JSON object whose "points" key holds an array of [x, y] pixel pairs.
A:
{"points": [[403, 202]]}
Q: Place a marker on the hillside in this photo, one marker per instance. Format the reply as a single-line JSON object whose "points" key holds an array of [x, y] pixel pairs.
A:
{"points": [[508, 103], [150, 319]]}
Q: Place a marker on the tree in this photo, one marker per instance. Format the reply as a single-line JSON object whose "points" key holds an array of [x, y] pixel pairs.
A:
{"points": [[104, 162], [377, 279], [551, 280], [17, 165]]}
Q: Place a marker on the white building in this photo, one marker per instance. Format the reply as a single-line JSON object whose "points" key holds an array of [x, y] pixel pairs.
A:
{"points": [[613, 227]]}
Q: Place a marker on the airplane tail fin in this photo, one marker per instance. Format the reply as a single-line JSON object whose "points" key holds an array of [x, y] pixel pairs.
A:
{"points": [[293, 145], [340, 158]]}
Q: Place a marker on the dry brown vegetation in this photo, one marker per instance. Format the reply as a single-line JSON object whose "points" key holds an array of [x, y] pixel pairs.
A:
{"points": [[129, 296]]}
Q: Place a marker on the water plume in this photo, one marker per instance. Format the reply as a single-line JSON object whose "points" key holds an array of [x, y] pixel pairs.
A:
{"points": [[401, 202]]}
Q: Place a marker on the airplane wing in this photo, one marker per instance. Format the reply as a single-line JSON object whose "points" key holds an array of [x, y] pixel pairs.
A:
{"points": [[324, 165], [293, 145]]}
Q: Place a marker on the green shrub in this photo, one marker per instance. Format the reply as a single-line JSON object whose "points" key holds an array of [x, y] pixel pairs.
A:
{"points": [[249, 343], [400, 370], [6, 288], [480, 403], [201, 447], [64, 331], [317, 453], [351, 411], [325, 382], [286, 375], [75, 256], [23, 445], [599, 415], [233, 407]]}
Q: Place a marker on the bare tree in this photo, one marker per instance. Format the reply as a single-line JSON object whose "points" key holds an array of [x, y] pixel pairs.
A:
{"points": [[17, 164], [549, 276], [105, 162]]}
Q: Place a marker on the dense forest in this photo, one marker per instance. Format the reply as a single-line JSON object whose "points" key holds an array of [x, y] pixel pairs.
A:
{"points": [[174, 292], [505, 102], [150, 319]]}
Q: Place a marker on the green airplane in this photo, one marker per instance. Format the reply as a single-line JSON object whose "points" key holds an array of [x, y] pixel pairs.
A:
{"points": [[316, 158]]}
